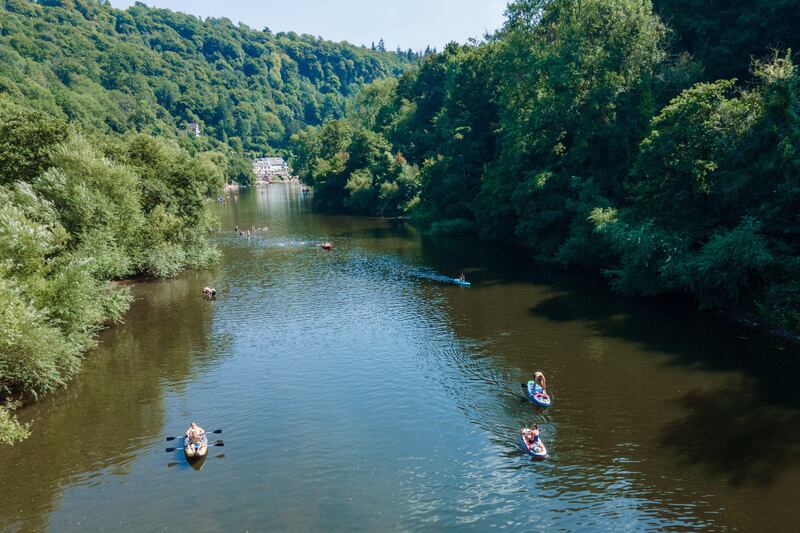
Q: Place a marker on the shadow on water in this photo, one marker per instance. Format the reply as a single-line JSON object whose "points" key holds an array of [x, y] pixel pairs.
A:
{"points": [[747, 430], [732, 433], [699, 340]]}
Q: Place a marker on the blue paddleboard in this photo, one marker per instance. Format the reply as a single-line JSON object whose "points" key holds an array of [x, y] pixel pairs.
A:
{"points": [[536, 395]]}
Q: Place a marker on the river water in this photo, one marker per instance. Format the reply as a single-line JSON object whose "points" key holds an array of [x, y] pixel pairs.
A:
{"points": [[357, 390]]}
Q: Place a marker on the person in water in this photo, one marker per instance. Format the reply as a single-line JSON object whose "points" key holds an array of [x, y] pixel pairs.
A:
{"points": [[541, 382], [531, 436], [196, 436]]}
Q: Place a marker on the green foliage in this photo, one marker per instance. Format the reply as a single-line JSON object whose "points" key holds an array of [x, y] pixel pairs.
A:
{"points": [[25, 137], [725, 266], [589, 132], [97, 211], [153, 70], [240, 170], [11, 430], [575, 111], [726, 34]]}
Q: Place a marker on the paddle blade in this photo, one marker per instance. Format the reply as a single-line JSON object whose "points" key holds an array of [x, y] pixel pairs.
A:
{"points": [[172, 438], [170, 449], [524, 386], [217, 431], [219, 443]]}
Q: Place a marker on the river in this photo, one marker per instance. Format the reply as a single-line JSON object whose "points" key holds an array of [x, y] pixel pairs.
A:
{"points": [[358, 391]]}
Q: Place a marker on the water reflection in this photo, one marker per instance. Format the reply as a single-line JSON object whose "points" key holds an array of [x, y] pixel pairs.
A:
{"points": [[114, 411]]}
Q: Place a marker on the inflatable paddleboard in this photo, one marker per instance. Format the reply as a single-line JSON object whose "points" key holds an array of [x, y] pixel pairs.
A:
{"points": [[536, 395], [538, 451]]}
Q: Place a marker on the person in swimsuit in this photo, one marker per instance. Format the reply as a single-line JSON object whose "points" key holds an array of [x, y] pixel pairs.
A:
{"points": [[531, 436], [196, 436], [541, 382]]}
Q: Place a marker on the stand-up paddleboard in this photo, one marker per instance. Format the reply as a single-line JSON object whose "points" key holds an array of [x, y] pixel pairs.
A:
{"points": [[536, 395], [538, 450], [461, 282]]}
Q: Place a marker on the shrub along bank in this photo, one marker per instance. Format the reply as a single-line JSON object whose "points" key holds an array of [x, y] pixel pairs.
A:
{"points": [[76, 211]]}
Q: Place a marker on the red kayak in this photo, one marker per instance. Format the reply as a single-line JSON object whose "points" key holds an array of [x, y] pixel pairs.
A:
{"points": [[327, 246]]}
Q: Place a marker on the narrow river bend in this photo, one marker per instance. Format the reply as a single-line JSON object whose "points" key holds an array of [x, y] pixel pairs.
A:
{"points": [[358, 392]]}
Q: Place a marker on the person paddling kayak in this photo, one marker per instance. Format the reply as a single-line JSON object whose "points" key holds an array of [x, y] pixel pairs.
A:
{"points": [[196, 440]]}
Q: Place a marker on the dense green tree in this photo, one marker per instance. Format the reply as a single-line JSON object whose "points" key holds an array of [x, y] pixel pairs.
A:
{"points": [[25, 139], [726, 35]]}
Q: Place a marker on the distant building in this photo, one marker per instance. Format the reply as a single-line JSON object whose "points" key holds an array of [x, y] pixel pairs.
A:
{"points": [[269, 167], [193, 128]]}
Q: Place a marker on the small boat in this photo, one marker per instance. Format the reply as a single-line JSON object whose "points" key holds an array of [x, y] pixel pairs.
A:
{"points": [[461, 282], [194, 453], [536, 395], [538, 450], [327, 246]]}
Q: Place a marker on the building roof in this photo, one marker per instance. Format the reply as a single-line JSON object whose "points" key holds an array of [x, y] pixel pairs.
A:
{"points": [[270, 161]]}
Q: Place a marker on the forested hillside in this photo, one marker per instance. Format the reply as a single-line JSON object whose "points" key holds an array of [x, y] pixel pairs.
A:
{"points": [[100, 179], [600, 135], [153, 70]]}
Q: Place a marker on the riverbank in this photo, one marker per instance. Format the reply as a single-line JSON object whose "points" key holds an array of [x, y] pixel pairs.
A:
{"points": [[78, 210]]}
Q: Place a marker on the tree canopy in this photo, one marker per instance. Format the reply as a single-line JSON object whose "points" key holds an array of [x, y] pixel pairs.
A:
{"points": [[657, 144], [154, 70]]}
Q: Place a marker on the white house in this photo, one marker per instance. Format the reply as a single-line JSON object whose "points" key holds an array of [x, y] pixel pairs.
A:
{"points": [[267, 167], [193, 128]]}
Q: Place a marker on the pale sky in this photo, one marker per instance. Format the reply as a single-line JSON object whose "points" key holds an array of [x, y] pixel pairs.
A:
{"points": [[407, 23]]}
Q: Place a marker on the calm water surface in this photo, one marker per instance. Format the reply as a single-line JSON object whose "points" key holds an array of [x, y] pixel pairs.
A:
{"points": [[359, 392]]}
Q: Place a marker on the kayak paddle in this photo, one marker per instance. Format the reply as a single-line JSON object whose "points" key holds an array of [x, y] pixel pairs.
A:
{"points": [[218, 443], [217, 431]]}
